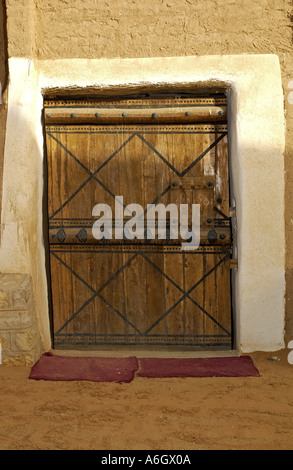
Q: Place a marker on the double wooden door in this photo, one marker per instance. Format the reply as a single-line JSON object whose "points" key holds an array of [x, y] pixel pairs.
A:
{"points": [[138, 292]]}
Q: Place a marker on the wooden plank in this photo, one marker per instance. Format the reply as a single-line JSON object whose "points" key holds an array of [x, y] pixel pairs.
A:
{"points": [[174, 269], [147, 101], [130, 116], [194, 317], [223, 288], [84, 236], [222, 196], [210, 297], [120, 268], [135, 295], [156, 301]]}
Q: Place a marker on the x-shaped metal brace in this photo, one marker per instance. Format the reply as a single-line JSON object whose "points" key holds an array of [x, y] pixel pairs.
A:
{"points": [[97, 293]]}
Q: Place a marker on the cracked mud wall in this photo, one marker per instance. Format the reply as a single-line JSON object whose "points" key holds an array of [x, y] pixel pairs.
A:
{"points": [[51, 29], [54, 29]]}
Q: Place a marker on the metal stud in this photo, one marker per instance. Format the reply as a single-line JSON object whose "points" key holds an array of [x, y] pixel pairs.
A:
{"points": [[187, 113], [220, 113], [72, 115], [212, 236], [60, 235], [219, 200], [48, 115], [82, 235], [97, 115], [210, 184], [154, 115], [124, 114]]}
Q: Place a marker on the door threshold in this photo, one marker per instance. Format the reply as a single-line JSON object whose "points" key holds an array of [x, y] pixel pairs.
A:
{"points": [[146, 353]]}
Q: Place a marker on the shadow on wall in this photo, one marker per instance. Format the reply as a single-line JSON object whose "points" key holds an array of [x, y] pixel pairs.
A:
{"points": [[4, 83], [3, 46]]}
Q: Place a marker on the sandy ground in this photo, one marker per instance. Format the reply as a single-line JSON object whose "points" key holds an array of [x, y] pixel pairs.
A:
{"points": [[150, 414]]}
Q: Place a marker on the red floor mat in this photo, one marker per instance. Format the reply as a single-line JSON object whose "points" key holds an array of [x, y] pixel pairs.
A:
{"points": [[199, 367], [125, 369], [95, 369]]}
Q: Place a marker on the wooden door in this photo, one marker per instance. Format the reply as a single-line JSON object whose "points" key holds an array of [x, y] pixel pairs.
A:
{"points": [[138, 292]]}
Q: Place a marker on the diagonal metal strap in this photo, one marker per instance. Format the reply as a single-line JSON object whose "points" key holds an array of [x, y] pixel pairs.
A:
{"points": [[168, 188], [221, 213], [159, 154], [187, 295], [184, 172], [97, 293], [92, 174], [203, 154]]}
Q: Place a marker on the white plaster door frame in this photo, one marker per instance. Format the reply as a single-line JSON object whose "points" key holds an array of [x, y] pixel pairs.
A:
{"points": [[257, 142]]}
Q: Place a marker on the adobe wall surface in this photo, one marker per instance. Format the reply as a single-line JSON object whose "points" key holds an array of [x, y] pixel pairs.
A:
{"points": [[90, 29], [51, 29]]}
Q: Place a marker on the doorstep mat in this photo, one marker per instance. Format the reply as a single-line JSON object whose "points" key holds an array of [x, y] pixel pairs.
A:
{"points": [[235, 366], [125, 369], [95, 369]]}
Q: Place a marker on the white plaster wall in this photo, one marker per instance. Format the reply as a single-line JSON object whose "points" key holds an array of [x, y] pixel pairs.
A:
{"points": [[257, 142], [22, 246]]}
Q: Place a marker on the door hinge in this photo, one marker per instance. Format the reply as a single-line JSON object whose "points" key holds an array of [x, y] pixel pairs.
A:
{"points": [[233, 263]]}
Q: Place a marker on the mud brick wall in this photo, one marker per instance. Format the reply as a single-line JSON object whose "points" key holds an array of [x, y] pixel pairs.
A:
{"points": [[19, 335]]}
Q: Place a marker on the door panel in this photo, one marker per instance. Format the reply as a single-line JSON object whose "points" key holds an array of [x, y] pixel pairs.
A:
{"points": [[138, 292]]}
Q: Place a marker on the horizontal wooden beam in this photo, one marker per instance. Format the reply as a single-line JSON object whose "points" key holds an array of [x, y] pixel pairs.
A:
{"points": [[81, 235], [171, 115]]}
